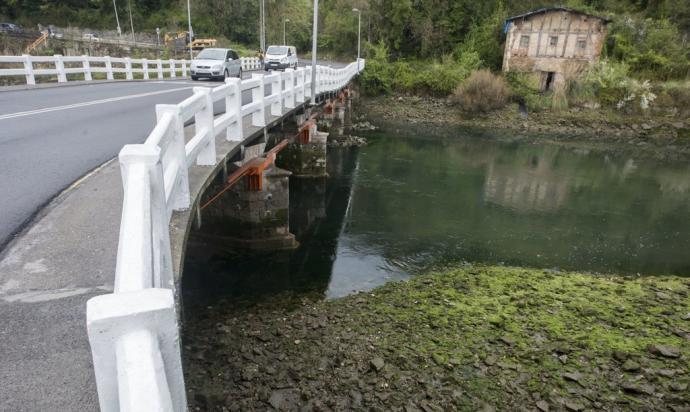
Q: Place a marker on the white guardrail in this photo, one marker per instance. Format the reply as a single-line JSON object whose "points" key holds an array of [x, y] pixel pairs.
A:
{"points": [[61, 66], [133, 331]]}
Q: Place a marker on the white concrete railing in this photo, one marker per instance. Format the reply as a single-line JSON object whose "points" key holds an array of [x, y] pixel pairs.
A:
{"points": [[87, 66], [133, 332]]}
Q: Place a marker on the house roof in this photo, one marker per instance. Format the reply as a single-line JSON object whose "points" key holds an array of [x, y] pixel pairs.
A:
{"points": [[548, 9]]}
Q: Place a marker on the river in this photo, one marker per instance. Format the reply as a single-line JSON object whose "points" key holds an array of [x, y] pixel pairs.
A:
{"points": [[405, 204]]}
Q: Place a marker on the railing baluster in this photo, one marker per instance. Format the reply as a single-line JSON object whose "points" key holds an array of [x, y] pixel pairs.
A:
{"points": [[87, 68], [108, 68], [204, 122], [259, 116], [145, 68], [60, 68], [128, 68], [233, 106], [29, 70]]}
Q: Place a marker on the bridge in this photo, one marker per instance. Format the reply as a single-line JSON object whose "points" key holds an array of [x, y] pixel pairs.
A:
{"points": [[116, 237]]}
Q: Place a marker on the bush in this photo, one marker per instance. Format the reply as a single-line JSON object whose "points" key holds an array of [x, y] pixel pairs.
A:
{"points": [[482, 92], [377, 76], [613, 87], [524, 88]]}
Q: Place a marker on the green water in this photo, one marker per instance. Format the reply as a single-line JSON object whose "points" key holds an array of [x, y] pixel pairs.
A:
{"points": [[402, 205]]}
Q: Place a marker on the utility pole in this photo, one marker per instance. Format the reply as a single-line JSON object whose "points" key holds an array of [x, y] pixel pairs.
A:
{"points": [[284, 22], [131, 22], [359, 33], [314, 38], [189, 22], [158, 41], [117, 19]]}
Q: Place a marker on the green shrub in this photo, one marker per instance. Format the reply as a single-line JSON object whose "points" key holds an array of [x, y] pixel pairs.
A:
{"points": [[610, 82], [377, 76], [524, 88], [482, 92]]}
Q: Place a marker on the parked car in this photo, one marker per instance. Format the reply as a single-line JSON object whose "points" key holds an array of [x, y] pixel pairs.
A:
{"points": [[280, 57], [91, 37], [9, 28], [216, 64]]}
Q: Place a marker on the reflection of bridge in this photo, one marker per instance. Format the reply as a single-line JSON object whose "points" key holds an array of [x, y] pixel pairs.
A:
{"points": [[68, 253]]}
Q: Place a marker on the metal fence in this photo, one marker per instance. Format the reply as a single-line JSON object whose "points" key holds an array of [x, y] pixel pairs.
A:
{"points": [[133, 332]]}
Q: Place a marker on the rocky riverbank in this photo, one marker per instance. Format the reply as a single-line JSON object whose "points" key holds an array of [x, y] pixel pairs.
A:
{"points": [[465, 338], [655, 136]]}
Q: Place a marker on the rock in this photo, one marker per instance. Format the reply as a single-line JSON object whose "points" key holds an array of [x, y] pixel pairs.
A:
{"points": [[631, 366], [686, 316], [573, 377], [666, 351], [573, 405], [377, 364], [284, 399], [678, 387], [507, 340], [646, 126], [668, 373], [250, 372], [563, 359], [490, 360], [620, 355], [678, 125], [543, 406], [662, 295], [632, 387]]}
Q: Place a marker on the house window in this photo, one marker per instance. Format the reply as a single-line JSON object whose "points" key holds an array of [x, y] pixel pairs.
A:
{"points": [[581, 44], [524, 41], [553, 41]]}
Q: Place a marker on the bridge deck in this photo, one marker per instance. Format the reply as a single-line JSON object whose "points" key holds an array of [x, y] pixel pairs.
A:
{"points": [[66, 256]]}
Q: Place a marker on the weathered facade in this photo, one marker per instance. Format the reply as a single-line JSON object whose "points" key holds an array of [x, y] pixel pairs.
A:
{"points": [[556, 43]]}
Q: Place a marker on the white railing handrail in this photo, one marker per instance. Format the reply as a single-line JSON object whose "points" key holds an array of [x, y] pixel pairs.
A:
{"points": [[133, 331], [150, 68]]}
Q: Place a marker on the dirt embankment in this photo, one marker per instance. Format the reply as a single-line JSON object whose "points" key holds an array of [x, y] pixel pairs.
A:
{"points": [[467, 338], [657, 136]]}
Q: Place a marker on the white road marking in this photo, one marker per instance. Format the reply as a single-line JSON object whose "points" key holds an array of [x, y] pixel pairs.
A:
{"points": [[91, 103]]}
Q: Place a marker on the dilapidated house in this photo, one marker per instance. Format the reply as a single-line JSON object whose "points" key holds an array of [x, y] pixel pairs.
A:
{"points": [[555, 43]]}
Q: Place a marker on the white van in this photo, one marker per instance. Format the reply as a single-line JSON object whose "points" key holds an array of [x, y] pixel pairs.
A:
{"points": [[280, 57]]}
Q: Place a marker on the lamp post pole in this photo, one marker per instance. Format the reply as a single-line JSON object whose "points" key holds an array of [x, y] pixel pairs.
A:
{"points": [[189, 23], [359, 34], [117, 20], [158, 41], [314, 36], [131, 22], [284, 23]]}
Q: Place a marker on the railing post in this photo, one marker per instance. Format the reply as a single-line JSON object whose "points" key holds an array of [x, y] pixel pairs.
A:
{"points": [[301, 73], [172, 69], [233, 106], [160, 68], [29, 70], [290, 88], [145, 68], [60, 67], [180, 195], [184, 69], [204, 123], [259, 117], [108, 68], [111, 319], [86, 65], [277, 87], [128, 68]]}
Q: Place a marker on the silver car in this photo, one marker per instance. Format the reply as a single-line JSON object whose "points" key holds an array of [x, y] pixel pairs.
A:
{"points": [[216, 64]]}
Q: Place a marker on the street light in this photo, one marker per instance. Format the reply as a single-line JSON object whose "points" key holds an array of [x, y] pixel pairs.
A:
{"points": [[117, 19], [284, 22], [189, 22], [158, 41], [131, 22], [359, 33], [314, 34]]}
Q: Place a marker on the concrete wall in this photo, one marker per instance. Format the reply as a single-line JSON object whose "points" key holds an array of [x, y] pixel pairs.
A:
{"points": [[557, 41]]}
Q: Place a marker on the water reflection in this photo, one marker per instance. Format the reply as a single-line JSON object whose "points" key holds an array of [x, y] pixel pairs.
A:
{"points": [[401, 205]]}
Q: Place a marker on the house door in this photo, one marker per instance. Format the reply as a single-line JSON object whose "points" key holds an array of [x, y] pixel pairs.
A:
{"points": [[548, 82]]}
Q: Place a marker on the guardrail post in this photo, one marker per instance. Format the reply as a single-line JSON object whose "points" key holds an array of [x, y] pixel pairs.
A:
{"points": [[180, 197], [233, 106], [86, 65], [204, 122], [290, 88], [160, 68], [172, 69], [259, 117], [60, 67], [29, 70], [299, 89], [108, 68], [128, 68], [277, 88], [115, 323], [184, 69], [145, 68]]}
